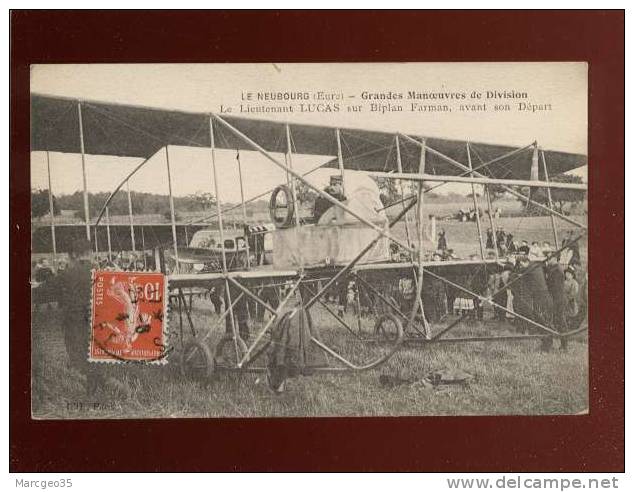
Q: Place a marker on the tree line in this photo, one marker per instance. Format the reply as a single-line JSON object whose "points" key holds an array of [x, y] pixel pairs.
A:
{"points": [[391, 191], [152, 203], [142, 203]]}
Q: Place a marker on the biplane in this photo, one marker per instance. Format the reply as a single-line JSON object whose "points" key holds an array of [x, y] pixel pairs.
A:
{"points": [[346, 249]]}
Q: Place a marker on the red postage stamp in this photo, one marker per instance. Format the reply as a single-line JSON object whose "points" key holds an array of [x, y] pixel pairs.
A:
{"points": [[129, 321]]}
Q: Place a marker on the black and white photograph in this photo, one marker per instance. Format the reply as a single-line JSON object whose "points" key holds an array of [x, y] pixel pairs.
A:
{"points": [[309, 240]]}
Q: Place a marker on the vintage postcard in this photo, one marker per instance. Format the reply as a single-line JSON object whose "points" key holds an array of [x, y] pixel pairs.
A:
{"points": [[274, 240]]}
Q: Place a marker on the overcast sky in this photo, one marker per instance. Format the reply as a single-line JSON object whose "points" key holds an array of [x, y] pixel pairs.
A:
{"points": [[204, 87]]}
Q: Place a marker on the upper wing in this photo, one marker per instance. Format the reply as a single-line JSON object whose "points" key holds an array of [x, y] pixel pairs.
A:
{"points": [[135, 131]]}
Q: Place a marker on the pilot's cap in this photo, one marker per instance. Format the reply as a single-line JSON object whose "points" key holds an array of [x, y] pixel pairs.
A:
{"points": [[336, 179]]}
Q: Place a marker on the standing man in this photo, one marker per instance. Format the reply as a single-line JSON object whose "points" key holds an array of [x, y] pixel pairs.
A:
{"points": [[500, 239], [531, 297], [73, 287], [489, 243], [442, 240], [435, 295], [522, 298], [542, 300], [555, 279], [479, 285], [510, 243], [502, 295], [571, 291]]}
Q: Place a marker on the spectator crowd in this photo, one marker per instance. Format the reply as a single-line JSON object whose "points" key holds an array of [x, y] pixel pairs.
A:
{"points": [[527, 282]]}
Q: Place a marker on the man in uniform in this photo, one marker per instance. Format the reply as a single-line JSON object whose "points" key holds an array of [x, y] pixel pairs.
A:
{"points": [[555, 278], [500, 239], [489, 243], [522, 299], [479, 283], [542, 299], [435, 295], [442, 241], [532, 299], [73, 288], [334, 189], [531, 292], [510, 244], [498, 278]]}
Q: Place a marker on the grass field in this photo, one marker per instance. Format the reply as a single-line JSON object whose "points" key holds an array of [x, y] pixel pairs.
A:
{"points": [[463, 236], [509, 378]]}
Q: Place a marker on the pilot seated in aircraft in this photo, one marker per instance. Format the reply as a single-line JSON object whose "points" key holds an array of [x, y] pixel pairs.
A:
{"points": [[335, 190]]}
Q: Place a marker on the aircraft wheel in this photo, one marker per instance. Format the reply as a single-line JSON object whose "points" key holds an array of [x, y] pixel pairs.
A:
{"points": [[196, 361], [225, 352], [387, 328], [282, 207]]}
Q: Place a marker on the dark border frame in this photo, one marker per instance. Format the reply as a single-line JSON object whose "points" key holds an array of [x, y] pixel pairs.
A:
{"points": [[593, 442]]}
